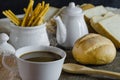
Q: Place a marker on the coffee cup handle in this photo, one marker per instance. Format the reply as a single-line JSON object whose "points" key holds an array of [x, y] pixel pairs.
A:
{"points": [[6, 65]]}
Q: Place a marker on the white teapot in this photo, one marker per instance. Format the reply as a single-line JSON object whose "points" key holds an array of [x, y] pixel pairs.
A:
{"points": [[70, 26]]}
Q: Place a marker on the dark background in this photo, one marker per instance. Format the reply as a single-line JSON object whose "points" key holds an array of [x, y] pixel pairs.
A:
{"points": [[17, 5]]}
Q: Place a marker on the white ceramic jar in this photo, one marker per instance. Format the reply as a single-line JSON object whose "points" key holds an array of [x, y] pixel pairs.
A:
{"points": [[25, 36]]}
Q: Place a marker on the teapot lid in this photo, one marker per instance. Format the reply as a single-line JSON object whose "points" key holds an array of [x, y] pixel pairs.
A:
{"points": [[6, 48], [72, 9]]}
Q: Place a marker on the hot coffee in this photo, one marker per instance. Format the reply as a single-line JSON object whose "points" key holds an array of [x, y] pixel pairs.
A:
{"points": [[40, 56]]}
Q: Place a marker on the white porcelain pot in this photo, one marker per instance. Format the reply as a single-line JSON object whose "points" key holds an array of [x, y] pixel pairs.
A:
{"points": [[25, 36], [70, 26]]}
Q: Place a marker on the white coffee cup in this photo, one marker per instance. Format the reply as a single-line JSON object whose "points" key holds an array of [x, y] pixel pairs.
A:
{"points": [[39, 70]]}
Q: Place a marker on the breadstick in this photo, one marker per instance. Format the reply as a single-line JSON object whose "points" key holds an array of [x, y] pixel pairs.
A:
{"points": [[28, 19], [25, 10], [6, 14], [13, 15], [31, 17], [37, 10], [12, 19], [34, 14], [43, 4], [27, 13], [17, 21], [40, 15], [31, 20], [46, 10], [33, 24], [40, 21]]}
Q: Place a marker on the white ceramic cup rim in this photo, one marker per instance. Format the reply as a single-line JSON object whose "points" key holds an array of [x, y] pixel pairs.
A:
{"points": [[27, 49]]}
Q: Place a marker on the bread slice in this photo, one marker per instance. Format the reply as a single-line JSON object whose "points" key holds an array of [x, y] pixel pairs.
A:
{"points": [[96, 19], [110, 27], [98, 10], [89, 13], [108, 14]]}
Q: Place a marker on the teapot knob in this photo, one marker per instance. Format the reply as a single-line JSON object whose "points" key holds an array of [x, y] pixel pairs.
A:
{"points": [[71, 4], [4, 37]]}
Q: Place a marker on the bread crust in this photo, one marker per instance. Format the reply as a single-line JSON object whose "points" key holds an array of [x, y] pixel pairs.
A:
{"points": [[94, 49]]}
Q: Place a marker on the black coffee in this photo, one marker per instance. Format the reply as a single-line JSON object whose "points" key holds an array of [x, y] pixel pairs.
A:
{"points": [[40, 56]]}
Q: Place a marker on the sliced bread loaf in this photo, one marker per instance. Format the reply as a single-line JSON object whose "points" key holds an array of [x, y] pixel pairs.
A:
{"points": [[110, 27]]}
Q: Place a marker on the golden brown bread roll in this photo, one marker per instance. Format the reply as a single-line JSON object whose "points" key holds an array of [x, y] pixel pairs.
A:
{"points": [[87, 6], [94, 49]]}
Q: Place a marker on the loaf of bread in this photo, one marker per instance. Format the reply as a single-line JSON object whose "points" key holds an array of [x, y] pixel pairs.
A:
{"points": [[109, 27], [94, 49]]}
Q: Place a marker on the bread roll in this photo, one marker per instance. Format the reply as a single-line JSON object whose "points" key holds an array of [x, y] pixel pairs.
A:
{"points": [[94, 49], [87, 6]]}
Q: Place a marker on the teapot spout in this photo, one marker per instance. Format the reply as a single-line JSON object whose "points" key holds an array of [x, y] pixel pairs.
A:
{"points": [[61, 30]]}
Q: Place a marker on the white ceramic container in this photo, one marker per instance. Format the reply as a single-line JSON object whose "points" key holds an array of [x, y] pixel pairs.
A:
{"points": [[25, 36]]}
